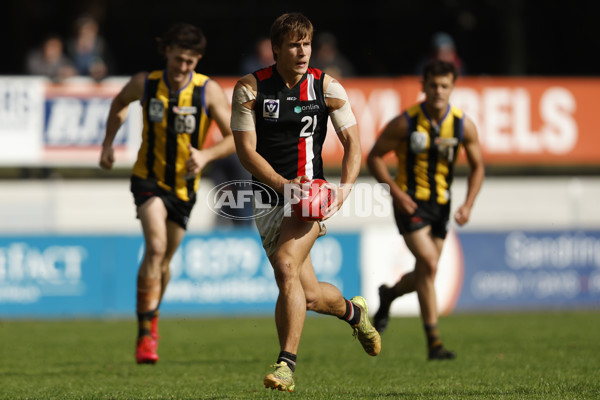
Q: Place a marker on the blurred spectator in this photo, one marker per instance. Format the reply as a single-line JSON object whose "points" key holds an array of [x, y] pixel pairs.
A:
{"points": [[443, 48], [261, 57], [49, 60], [327, 57], [89, 50]]}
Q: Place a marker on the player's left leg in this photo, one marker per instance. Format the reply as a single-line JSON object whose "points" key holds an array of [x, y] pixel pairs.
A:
{"points": [[427, 249], [175, 234], [324, 298], [436, 350], [321, 297]]}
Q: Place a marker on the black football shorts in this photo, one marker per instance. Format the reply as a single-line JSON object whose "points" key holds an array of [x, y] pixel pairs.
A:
{"points": [[178, 210], [427, 213]]}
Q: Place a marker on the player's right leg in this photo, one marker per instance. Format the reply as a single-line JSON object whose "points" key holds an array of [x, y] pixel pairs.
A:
{"points": [[387, 295], [295, 241], [407, 283], [152, 214]]}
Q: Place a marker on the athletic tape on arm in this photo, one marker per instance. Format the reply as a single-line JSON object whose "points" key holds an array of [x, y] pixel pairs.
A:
{"points": [[343, 117], [242, 118]]}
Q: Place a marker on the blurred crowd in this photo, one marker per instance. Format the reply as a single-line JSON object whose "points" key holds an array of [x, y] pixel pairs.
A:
{"points": [[86, 53]]}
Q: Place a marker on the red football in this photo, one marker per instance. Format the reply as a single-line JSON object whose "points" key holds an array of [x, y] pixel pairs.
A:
{"points": [[313, 206]]}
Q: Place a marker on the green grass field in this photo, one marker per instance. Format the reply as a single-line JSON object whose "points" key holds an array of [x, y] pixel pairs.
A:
{"points": [[500, 356]]}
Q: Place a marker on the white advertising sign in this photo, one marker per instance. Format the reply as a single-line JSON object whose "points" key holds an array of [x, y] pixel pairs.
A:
{"points": [[21, 119], [385, 258]]}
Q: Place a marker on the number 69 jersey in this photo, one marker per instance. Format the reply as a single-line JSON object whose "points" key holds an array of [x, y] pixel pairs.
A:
{"points": [[171, 121], [291, 124]]}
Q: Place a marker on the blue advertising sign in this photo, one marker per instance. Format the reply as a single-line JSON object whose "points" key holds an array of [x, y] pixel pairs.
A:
{"points": [[530, 269], [51, 275], [78, 121], [220, 272]]}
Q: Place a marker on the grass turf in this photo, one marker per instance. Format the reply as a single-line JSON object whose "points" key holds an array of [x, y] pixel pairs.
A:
{"points": [[552, 355]]}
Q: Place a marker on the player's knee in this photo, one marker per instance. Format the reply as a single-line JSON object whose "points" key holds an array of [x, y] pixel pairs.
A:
{"points": [[431, 268], [285, 271], [156, 250], [428, 267]]}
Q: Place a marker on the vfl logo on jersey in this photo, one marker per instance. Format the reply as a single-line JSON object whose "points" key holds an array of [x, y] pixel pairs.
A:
{"points": [[271, 109], [156, 110]]}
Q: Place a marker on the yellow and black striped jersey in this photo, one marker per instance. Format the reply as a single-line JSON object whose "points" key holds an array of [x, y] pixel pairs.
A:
{"points": [[427, 157], [171, 121]]}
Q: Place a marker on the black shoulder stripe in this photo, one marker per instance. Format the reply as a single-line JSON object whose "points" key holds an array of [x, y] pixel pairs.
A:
{"points": [[171, 145], [457, 126], [151, 89], [411, 182], [197, 102]]}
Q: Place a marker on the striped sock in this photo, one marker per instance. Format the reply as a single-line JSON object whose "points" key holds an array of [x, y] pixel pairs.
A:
{"points": [[145, 322], [352, 315]]}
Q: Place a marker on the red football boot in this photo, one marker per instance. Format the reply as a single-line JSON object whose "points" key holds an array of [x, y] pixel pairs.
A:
{"points": [[145, 352]]}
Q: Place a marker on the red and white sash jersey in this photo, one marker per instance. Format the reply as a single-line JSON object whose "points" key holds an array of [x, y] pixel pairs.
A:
{"points": [[291, 124]]}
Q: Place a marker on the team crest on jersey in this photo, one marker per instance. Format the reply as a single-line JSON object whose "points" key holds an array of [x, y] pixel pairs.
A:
{"points": [[271, 109], [156, 110]]}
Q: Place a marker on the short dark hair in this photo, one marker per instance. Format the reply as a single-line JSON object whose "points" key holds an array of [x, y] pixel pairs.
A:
{"points": [[289, 23], [185, 36], [439, 67]]}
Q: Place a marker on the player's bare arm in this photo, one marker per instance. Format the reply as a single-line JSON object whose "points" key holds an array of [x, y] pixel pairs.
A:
{"points": [[345, 125], [220, 111], [132, 91], [476, 171], [244, 134], [393, 134]]}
